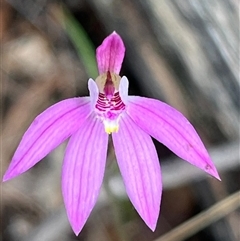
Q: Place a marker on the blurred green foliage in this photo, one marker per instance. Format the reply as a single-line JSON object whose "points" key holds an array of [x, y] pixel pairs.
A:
{"points": [[83, 44]]}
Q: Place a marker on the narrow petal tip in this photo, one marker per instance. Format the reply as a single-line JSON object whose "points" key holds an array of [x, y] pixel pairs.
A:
{"points": [[211, 169], [151, 222], [152, 226], [6, 177], [76, 228], [10, 174]]}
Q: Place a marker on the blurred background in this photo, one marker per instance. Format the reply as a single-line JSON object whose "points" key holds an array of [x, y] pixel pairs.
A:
{"points": [[185, 53]]}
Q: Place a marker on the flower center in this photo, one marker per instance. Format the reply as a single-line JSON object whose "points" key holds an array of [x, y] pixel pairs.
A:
{"points": [[109, 105]]}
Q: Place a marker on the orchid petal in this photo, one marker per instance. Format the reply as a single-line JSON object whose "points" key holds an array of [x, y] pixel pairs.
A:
{"points": [[83, 170], [93, 90], [123, 89], [110, 54], [46, 132], [139, 165], [171, 128]]}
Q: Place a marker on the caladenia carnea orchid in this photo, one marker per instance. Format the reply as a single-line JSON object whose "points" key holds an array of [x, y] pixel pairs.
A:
{"points": [[88, 121]]}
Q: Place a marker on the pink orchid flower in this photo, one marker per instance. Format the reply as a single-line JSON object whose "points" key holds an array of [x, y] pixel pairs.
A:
{"points": [[88, 121]]}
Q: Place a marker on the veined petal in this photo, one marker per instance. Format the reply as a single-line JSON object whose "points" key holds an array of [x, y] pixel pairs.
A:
{"points": [[83, 170], [171, 128], [139, 165], [46, 132], [110, 54]]}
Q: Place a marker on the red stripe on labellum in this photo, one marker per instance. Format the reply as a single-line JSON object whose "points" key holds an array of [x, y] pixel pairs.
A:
{"points": [[115, 104]]}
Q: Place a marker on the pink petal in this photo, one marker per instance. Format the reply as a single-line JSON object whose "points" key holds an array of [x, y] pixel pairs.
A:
{"points": [[139, 166], [110, 54], [171, 128], [83, 170], [46, 132]]}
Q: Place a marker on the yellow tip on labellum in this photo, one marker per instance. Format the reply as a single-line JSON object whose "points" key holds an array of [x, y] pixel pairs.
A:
{"points": [[111, 127]]}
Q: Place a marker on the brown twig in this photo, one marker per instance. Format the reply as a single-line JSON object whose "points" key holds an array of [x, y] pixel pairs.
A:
{"points": [[202, 220]]}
